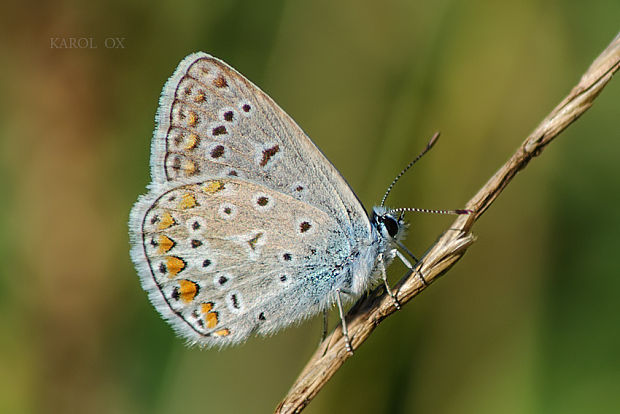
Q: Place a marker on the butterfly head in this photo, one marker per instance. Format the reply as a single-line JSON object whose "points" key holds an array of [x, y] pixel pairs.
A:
{"points": [[388, 224]]}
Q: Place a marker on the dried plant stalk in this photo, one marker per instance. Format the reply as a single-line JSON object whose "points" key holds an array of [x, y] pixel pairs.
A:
{"points": [[366, 315]]}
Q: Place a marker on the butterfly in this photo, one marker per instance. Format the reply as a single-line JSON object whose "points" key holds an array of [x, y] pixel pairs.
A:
{"points": [[247, 227]]}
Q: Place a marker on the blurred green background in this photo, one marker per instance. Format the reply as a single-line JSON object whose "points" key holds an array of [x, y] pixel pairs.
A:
{"points": [[527, 322]]}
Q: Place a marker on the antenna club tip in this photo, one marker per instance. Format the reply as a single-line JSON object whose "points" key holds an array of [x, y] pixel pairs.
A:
{"points": [[464, 211], [434, 139]]}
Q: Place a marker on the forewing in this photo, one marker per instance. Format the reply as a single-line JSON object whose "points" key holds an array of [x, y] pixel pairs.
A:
{"points": [[213, 122]]}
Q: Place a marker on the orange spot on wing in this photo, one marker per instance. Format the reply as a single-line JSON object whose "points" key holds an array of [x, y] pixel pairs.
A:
{"points": [[192, 141], [188, 290], [166, 221], [193, 119], [165, 243], [222, 332], [212, 187], [220, 82], [200, 97], [211, 319], [187, 201], [174, 265], [206, 307], [189, 167]]}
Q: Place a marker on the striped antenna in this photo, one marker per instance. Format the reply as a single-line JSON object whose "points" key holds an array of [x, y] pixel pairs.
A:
{"points": [[425, 210], [428, 147]]}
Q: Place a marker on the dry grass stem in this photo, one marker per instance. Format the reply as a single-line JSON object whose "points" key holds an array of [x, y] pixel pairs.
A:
{"points": [[366, 315]]}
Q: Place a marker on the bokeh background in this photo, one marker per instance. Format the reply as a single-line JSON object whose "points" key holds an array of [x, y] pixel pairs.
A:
{"points": [[527, 322]]}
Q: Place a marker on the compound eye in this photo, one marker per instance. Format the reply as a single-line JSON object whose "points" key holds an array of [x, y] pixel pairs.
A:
{"points": [[391, 225]]}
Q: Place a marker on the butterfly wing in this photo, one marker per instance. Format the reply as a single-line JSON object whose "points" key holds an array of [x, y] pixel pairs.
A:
{"points": [[222, 263], [213, 122], [247, 225]]}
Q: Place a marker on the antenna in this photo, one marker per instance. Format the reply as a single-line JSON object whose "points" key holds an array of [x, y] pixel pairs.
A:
{"points": [[425, 210], [430, 144]]}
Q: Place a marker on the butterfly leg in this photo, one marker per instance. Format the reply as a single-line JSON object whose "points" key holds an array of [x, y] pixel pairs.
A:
{"points": [[406, 263], [385, 282], [402, 246], [345, 332]]}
